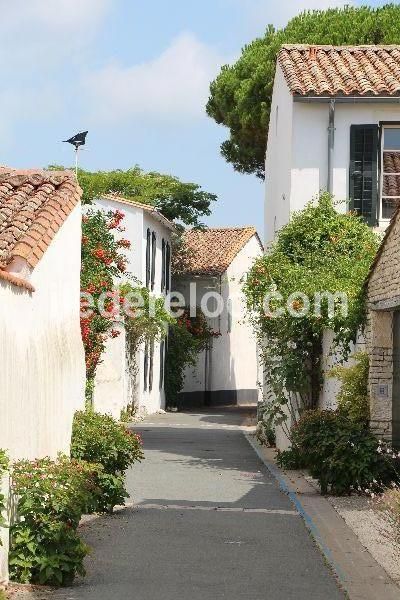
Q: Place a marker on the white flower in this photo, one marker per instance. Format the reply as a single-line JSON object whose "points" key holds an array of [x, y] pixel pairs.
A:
{"points": [[22, 519]]}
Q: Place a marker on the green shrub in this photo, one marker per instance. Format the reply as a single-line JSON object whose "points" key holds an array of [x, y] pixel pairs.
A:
{"points": [[99, 439], [353, 399], [342, 454], [51, 498]]}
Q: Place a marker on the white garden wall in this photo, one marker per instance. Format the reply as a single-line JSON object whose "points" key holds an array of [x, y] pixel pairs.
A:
{"points": [[41, 350]]}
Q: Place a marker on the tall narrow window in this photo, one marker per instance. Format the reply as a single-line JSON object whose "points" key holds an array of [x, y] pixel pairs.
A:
{"points": [[148, 257], [146, 367], [364, 171], [162, 363], [151, 365], [167, 267], [390, 170], [163, 265], [153, 259]]}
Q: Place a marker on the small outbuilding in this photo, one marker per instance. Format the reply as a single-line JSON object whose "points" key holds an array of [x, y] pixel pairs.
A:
{"points": [[41, 351], [383, 333], [211, 275]]}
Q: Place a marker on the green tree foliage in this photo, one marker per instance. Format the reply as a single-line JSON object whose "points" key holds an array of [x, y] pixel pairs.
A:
{"points": [[241, 94], [318, 251], [175, 199]]}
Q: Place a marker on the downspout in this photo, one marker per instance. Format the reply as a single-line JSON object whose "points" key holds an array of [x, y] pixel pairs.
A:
{"points": [[331, 144]]}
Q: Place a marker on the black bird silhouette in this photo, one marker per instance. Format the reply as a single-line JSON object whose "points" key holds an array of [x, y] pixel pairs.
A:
{"points": [[77, 140]]}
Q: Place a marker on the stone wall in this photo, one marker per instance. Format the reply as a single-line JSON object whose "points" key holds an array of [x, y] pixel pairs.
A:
{"points": [[383, 298]]}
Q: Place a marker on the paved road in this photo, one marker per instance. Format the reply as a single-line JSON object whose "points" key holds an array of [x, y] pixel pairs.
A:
{"points": [[210, 523]]}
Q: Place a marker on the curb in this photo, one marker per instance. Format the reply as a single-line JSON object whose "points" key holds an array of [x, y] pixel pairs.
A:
{"points": [[357, 572]]}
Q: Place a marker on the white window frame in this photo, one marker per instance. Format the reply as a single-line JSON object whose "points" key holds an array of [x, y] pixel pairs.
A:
{"points": [[381, 196]]}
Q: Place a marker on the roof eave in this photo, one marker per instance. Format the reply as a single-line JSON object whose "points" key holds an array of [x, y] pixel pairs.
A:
{"points": [[347, 99]]}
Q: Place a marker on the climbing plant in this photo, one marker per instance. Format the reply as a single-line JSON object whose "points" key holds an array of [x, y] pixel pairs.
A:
{"points": [[188, 336], [102, 262], [320, 250]]}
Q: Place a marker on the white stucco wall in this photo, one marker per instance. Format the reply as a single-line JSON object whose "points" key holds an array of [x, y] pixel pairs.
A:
{"points": [[278, 159], [233, 364], [41, 350], [297, 151], [310, 146], [115, 388]]}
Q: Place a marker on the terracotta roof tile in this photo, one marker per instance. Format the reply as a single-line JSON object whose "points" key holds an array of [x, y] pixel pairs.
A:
{"points": [[341, 70], [33, 206], [211, 251]]}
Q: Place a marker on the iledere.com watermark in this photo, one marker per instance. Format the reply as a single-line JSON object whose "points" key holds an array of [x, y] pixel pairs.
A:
{"points": [[213, 304]]}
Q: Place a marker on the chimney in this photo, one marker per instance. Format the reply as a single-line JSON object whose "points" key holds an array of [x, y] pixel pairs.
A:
{"points": [[312, 53]]}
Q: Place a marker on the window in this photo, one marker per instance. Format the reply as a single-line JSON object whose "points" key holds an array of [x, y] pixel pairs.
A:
{"points": [[163, 265], [162, 363], [148, 255], [167, 267], [153, 259], [390, 170], [363, 171]]}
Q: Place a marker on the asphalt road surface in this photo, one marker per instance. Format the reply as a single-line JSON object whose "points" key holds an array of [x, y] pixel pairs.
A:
{"points": [[209, 522]]}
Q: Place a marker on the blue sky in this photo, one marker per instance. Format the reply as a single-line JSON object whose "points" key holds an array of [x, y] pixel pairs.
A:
{"points": [[136, 75]]}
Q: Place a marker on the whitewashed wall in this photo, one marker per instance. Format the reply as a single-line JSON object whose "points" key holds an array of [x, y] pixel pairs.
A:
{"points": [[278, 159], [297, 151], [115, 388], [41, 350], [233, 361]]}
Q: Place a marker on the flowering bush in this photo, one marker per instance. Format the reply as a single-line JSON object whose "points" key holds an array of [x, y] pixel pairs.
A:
{"points": [[390, 502], [99, 439], [319, 251], [102, 262], [342, 454], [51, 498]]}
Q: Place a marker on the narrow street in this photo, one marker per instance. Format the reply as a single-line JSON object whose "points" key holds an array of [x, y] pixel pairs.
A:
{"points": [[209, 522]]}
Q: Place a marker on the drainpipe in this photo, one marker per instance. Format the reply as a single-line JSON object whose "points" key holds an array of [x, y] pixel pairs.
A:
{"points": [[331, 144]]}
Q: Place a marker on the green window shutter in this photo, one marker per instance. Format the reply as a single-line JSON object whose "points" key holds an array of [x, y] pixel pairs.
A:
{"points": [[363, 174], [153, 259], [148, 257]]}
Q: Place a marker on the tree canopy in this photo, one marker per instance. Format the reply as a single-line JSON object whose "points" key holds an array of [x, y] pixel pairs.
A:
{"points": [[175, 199], [240, 96]]}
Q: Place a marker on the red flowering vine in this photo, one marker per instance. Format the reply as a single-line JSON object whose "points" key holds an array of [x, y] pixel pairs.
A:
{"points": [[102, 263]]}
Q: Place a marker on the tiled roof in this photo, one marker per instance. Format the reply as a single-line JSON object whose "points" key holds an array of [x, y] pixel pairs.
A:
{"points": [[211, 251], [341, 70], [33, 206]]}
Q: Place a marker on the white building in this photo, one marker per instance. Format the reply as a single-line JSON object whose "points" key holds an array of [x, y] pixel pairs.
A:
{"points": [[216, 263], [118, 384], [334, 125], [42, 356]]}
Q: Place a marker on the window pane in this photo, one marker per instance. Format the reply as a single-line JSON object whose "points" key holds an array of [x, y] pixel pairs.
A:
{"points": [[388, 207], [392, 138]]}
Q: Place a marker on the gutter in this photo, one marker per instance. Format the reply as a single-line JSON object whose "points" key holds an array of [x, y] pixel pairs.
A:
{"points": [[348, 99]]}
